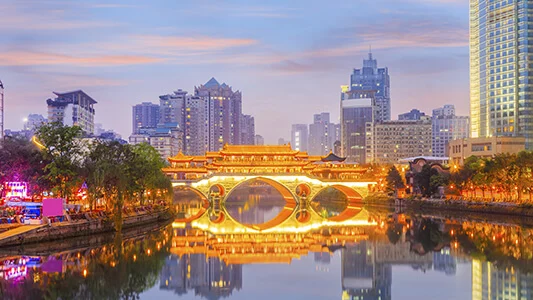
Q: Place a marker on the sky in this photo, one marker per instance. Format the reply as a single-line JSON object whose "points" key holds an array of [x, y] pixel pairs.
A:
{"points": [[289, 58]]}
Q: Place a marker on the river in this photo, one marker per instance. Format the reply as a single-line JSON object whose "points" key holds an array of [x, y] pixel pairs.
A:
{"points": [[384, 255]]}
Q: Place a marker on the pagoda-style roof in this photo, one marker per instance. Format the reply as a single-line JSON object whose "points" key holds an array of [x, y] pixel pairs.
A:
{"points": [[180, 157], [258, 150], [331, 157]]}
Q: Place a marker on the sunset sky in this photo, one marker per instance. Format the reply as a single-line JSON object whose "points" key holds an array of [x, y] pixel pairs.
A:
{"points": [[289, 58]]}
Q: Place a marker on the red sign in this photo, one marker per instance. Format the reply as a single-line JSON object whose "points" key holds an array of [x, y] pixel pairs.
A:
{"points": [[52, 207]]}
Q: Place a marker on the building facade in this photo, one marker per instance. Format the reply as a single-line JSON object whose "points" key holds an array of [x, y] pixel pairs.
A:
{"points": [[223, 114], [33, 122], [501, 85], [394, 140], [357, 110], [247, 130], [299, 137], [321, 135], [171, 107], [446, 126], [413, 115], [459, 150], [145, 115], [370, 77], [259, 140], [72, 108]]}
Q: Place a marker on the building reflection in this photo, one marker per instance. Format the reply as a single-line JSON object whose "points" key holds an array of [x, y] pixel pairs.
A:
{"points": [[489, 282], [210, 278]]}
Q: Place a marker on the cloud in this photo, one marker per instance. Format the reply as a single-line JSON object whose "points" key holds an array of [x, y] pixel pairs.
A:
{"points": [[192, 43], [28, 58]]}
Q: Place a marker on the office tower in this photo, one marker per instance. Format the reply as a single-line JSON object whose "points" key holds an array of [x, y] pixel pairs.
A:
{"points": [[195, 127], [357, 109], [259, 140], [72, 108], [447, 127], [370, 77], [1, 110], [247, 130], [321, 135], [171, 107], [223, 108], [391, 141], [492, 282], [145, 115], [501, 85], [299, 137], [33, 122], [413, 115]]}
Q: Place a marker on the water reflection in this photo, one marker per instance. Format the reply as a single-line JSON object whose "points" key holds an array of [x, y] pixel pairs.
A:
{"points": [[330, 202], [254, 203], [463, 257]]}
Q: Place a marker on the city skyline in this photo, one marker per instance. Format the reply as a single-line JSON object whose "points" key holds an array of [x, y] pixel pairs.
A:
{"points": [[123, 58]]}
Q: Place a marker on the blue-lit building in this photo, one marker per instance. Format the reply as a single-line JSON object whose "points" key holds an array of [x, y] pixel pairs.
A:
{"points": [[501, 74], [370, 77]]}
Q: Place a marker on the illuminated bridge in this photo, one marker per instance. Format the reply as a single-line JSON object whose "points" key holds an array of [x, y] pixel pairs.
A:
{"points": [[298, 177]]}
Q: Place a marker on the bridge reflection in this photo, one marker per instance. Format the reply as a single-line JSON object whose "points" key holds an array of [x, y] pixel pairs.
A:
{"points": [[271, 211]]}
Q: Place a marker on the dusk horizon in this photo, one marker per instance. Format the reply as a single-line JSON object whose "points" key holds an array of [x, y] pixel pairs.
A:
{"points": [[288, 60]]}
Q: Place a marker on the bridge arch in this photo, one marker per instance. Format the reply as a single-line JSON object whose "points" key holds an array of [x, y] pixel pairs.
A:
{"points": [[354, 202], [286, 212], [203, 203]]}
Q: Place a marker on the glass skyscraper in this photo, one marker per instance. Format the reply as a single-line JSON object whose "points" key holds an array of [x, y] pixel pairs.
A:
{"points": [[370, 77], [501, 72]]}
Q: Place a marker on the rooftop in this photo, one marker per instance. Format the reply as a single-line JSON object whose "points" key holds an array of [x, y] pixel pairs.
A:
{"points": [[69, 95]]}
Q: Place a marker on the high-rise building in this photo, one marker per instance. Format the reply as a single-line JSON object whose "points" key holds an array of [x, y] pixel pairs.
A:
{"points": [[33, 122], [413, 115], [299, 137], [370, 77], [145, 115], [501, 85], [357, 109], [171, 107], [72, 108], [194, 126], [492, 282], [282, 141], [447, 127], [391, 141], [259, 140], [1, 110], [167, 140], [321, 135], [223, 108], [247, 130]]}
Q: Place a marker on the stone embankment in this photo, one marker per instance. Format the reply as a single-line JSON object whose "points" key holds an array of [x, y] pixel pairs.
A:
{"points": [[81, 225]]}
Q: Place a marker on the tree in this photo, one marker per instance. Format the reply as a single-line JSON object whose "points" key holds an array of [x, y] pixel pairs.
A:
{"points": [[62, 147], [146, 171], [394, 180], [20, 160]]}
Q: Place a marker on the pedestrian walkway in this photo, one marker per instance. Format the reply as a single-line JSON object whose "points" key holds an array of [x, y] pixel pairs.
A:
{"points": [[19, 230]]}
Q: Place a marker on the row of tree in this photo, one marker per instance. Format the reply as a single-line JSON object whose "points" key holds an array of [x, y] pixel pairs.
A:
{"points": [[507, 174], [61, 161]]}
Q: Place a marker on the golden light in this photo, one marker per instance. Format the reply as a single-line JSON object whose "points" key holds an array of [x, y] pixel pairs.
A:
{"points": [[134, 257], [84, 272], [148, 251]]}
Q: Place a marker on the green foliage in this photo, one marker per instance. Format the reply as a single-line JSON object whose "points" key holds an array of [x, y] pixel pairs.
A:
{"points": [[63, 148], [428, 180], [394, 179]]}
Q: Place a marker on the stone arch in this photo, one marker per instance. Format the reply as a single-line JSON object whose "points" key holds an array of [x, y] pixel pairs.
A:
{"points": [[355, 202], [303, 190], [286, 212], [203, 208]]}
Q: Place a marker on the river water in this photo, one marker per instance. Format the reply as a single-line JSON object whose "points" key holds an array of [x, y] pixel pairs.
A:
{"points": [[384, 255]]}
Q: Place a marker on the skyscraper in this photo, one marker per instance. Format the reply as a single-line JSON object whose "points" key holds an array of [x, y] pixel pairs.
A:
{"points": [[223, 108], [370, 77], [357, 112], [299, 136], [247, 130], [501, 85], [171, 107], [72, 108], [145, 115], [321, 135], [447, 127]]}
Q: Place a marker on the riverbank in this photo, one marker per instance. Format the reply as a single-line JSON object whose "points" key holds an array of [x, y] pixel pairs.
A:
{"points": [[456, 206], [82, 225]]}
